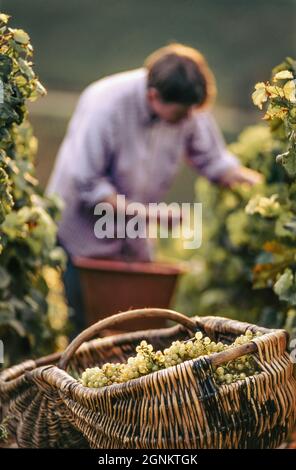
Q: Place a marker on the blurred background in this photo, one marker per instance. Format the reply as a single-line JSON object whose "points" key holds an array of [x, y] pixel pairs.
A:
{"points": [[79, 41]]}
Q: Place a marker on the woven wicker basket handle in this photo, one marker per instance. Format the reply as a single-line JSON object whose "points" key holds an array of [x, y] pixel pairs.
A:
{"points": [[230, 354], [114, 320]]}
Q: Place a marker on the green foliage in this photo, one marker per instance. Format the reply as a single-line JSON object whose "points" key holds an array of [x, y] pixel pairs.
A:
{"points": [[222, 280], [27, 230], [285, 287], [246, 266]]}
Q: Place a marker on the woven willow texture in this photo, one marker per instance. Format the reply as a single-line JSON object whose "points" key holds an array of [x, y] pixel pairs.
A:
{"points": [[178, 407]]}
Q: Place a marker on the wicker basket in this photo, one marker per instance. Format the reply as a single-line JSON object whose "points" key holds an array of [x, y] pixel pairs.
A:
{"points": [[178, 407]]}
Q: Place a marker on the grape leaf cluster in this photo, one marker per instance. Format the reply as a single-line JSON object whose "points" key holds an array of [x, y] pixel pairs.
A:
{"points": [[27, 224], [245, 268]]}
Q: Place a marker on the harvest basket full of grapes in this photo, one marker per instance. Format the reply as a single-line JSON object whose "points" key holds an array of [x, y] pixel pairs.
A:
{"points": [[208, 382]]}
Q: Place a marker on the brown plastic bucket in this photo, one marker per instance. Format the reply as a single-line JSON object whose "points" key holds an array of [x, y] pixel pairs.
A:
{"points": [[110, 286]]}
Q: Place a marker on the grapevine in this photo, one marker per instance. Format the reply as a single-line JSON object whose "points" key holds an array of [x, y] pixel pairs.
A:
{"points": [[245, 268], [27, 226]]}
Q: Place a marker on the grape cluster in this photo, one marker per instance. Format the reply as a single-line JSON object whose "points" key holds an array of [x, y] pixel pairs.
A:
{"points": [[147, 361], [238, 369]]}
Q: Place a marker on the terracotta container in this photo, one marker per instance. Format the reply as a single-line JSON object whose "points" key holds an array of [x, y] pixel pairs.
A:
{"points": [[109, 287]]}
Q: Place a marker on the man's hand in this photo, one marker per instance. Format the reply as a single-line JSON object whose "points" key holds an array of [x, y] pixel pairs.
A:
{"points": [[241, 174], [169, 216], [163, 215]]}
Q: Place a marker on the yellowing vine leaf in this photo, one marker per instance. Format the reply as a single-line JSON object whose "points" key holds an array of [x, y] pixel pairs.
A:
{"points": [[276, 112], [273, 247], [259, 96], [20, 36], [290, 91], [4, 18], [275, 91], [265, 206], [282, 75]]}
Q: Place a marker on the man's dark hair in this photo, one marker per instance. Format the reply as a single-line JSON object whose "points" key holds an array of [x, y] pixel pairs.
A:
{"points": [[181, 75]]}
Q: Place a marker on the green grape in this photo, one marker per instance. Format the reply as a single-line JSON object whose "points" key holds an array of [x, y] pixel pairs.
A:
{"points": [[147, 361], [199, 335], [220, 371]]}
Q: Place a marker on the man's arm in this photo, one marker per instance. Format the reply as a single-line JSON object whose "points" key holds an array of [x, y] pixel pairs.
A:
{"points": [[90, 140], [206, 151], [89, 150]]}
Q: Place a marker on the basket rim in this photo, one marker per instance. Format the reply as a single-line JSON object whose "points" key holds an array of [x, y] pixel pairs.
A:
{"points": [[75, 386], [127, 386], [22, 368], [16, 371]]}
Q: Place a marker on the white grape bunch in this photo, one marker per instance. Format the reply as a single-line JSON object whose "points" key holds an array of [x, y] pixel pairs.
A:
{"points": [[147, 361]]}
